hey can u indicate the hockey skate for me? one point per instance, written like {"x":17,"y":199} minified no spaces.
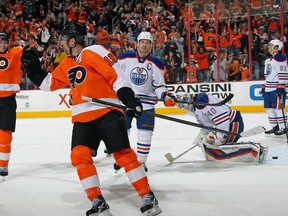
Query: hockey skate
{"x":281,"y":132}
{"x":150,"y":205}
{"x":3,"y":171}
{"x":99,"y":207}
{"x":273,"y":130}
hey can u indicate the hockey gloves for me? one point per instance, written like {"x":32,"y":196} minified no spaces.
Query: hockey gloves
{"x":262,"y":92}
{"x":216,"y":139}
{"x":187,"y":99}
{"x":133,"y":105}
{"x":280,"y":90}
{"x":43,"y":38}
{"x":31,"y":65}
{"x":169,"y":99}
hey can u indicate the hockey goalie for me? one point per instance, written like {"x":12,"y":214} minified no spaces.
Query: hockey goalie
{"x":217,"y":146}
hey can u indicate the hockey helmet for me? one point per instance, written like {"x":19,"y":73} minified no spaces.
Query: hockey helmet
{"x":4,"y":36}
{"x":74,"y":30}
{"x":276,"y":42}
{"x":145,"y":36}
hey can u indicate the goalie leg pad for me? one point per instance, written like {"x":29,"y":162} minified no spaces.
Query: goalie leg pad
{"x":235,"y":152}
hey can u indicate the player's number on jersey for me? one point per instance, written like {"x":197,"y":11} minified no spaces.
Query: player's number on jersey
{"x":111,"y":59}
{"x":283,"y":68}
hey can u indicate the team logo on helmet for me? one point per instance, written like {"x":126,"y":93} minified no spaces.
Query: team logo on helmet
{"x":138,"y":75}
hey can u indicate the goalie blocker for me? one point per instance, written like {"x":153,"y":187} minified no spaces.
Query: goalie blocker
{"x":235,"y":152}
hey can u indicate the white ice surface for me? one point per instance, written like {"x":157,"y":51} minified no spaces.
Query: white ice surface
{"x":42,"y":182}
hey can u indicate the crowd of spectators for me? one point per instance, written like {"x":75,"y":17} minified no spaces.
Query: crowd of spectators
{"x":179,"y":29}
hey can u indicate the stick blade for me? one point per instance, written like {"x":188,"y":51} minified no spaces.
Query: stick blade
{"x":253,"y":131}
{"x":169,"y":157}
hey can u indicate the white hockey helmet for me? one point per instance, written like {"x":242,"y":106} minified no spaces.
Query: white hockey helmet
{"x":275,"y":42}
{"x":145,"y":36}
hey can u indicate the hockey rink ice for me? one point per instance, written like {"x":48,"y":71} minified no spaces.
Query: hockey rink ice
{"x":42,"y":182}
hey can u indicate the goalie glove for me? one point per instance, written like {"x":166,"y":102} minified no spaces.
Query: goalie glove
{"x":216,"y":139}
{"x":169,"y":99}
{"x":133,"y":105}
{"x":43,"y":38}
{"x":31,"y":65}
{"x":187,"y":98}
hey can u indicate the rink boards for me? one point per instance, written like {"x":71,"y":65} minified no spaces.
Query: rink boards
{"x":39,"y":104}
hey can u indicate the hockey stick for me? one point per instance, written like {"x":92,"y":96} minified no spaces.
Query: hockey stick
{"x":224,"y":101}
{"x":282,"y":98}
{"x":162,"y":116}
{"x":196,"y":142}
{"x":171,"y":159}
{"x":253,"y":132}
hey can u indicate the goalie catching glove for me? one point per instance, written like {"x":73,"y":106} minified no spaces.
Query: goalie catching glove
{"x":133,"y":105}
{"x":31,"y":65}
{"x":169,"y":99}
{"x":216,"y":139}
{"x":186,"y":98}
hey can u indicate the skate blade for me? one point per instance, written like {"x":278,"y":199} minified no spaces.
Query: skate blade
{"x":153,"y":211}
{"x":104,"y":213}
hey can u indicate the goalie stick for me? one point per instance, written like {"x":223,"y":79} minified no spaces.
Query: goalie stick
{"x":224,"y":101}
{"x":253,"y":131}
{"x":171,"y":159}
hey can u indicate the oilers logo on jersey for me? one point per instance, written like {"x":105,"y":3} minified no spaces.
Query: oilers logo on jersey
{"x":4,"y":62}
{"x":138,"y":75}
{"x":269,"y":69}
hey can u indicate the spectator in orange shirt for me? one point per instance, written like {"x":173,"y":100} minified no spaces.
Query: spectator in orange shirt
{"x":209,"y":39}
{"x":244,"y":72}
{"x":223,"y":40}
{"x":203,"y":64}
{"x":71,"y":12}
{"x":234,"y":72}
{"x":234,"y":39}
{"x":103,"y":37}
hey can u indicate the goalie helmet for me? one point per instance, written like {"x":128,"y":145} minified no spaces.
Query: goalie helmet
{"x":145,"y":36}
{"x":4,"y":36}
{"x":75,"y":30}
{"x":274,"y":43}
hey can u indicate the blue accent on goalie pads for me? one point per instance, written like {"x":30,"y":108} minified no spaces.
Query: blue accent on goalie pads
{"x":219,"y":154}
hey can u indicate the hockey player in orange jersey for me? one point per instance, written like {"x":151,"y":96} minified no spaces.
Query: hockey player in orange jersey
{"x":94,"y":72}
{"x":10,"y":72}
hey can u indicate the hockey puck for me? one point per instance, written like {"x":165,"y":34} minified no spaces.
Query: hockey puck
{"x":274,"y":157}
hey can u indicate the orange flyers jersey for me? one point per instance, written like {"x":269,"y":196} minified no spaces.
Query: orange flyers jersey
{"x":95,"y":73}
{"x":10,"y":72}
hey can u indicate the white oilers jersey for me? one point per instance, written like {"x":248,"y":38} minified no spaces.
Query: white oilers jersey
{"x":146,"y":76}
{"x":218,"y":116}
{"x":276,"y":72}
